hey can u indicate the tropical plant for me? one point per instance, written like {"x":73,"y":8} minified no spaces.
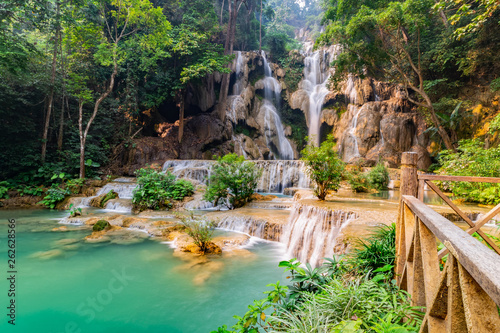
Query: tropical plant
{"x":379,"y":177}
{"x":376,"y":252}
{"x":472,"y":159}
{"x":74,"y":211}
{"x":200,"y":230}
{"x":358,"y":180}
{"x":232,"y":181}
{"x":4,"y":188}
{"x":157,"y":190}
{"x":54,"y":195}
{"x":323,"y":167}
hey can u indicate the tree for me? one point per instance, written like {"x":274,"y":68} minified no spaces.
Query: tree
{"x":233,"y":181}
{"x":384,"y":40}
{"x":125,"y":29}
{"x":234,"y":7}
{"x":195,"y":57}
{"x":324,"y":167}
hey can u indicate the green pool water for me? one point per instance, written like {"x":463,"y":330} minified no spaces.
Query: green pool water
{"x":70,"y":286}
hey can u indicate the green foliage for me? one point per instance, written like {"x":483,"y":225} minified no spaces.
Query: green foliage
{"x":379,"y":177}
{"x":294,"y":69}
{"x":100,"y":225}
{"x":157,"y":190}
{"x":232,"y":181}
{"x":324,"y":167}
{"x":4,"y":188}
{"x":74,"y":211}
{"x":495,"y":124}
{"x":109,"y":196}
{"x":358,"y":180}
{"x":472,"y":159}
{"x":75,"y":185}
{"x":376,"y":252}
{"x":34,"y":191}
{"x":297,"y":121}
{"x":495,"y":85}
{"x":54,"y":195}
{"x":200,"y":230}
{"x":181,"y":189}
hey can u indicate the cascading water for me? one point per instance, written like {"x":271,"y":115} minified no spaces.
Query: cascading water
{"x":275,"y":135}
{"x":314,"y":83}
{"x":276,"y":174}
{"x":239,"y":71}
{"x":311,"y":232}
{"x":316,"y":75}
{"x":352,"y":130}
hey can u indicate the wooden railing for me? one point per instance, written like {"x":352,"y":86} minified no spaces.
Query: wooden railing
{"x":463,"y":296}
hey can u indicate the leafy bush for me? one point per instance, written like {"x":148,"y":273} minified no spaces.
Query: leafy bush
{"x":75,"y":185}
{"x":181,"y":189}
{"x":376,"y":252}
{"x":324,"y":299}
{"x":100,"y":225}
{"x":4,"y":188}
{"x":200,"y":230}
{"x":74,"y":211}
{"x":472,"y":159}
{"x":358,"y":181}
{"x":34,"y":191}
{"x":324,"y":167}
{"x":379,"y":177}
{"x":157,"y":190}
{"x":233,"y":181}
{"x":54,"y":195}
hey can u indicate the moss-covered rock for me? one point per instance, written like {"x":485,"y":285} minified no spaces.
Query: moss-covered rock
{"x":100,"y":201}
{"x":101,"y":225}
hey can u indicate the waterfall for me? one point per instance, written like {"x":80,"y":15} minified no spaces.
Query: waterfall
{"x":309,"y":235}
{"x":124,"y":187}
{"x":311,"y":232}
{"x":272,"y":96}
{"x":315,"y":84}
{"x":276,"y":174}
{"x":350,"y":90}
{"x":239,"y":71}
{"x":352,"y":130}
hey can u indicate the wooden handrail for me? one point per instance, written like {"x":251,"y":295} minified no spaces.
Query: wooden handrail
{"x":482,"y":263}
{"x":459,"y":178}
{"x":464,"y":293}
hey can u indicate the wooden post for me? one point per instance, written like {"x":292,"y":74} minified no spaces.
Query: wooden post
{"x":409,"y":177}
{"x":409,"y":186}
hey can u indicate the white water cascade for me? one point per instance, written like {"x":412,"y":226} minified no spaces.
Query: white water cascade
{"x":275,"y":134}
{"x":311,"y":232}
{"x":276,"y":174}
{"x":239,"y":71}
{"x":352,"y":130}
{"x":316,"y":75}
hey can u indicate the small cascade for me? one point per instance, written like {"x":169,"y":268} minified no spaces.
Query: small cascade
{"x":124,"y":188}
{"x":276,"y":174}
{"x":352,"y":130}
{"x":250,"y":226}
{"x":350,"y":90}
{"x":239,"y":146}
{"x":311,"y":232}
{"x":119,"y":205}
{"x":274,"y":132}
{"x":314,"y":83}
{"x":198,"y":170}
{"x":239,"y":71}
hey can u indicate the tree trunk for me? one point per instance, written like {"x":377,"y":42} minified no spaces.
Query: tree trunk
{"x":83,"y":138}
{"x":180,"y":105}
{"x":222,"y":12}
{"x":51,"y":92}
{"x":234,"y":7}
{"x":83,"y":134}
{"x":61,"y":127}
{"x":260,"y":29}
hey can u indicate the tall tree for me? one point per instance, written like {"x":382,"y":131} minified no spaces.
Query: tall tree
{"x":125,"y":29}
{"x":384,"y":40}
{"x":56,"y":38}
{"x":234,"y":7}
